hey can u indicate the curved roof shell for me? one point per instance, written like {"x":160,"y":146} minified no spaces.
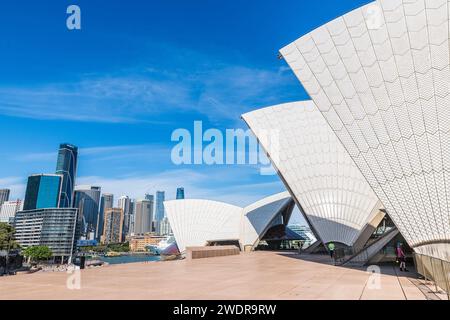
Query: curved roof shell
{"x":328,"y":187}
{"x":196,"y":222}
{"x":380,"y":75}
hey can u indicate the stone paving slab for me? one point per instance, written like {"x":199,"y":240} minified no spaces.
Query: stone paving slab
{"x":256,"y":275}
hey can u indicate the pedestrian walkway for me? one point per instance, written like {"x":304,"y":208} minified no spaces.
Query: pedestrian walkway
{"x":257,"y":275}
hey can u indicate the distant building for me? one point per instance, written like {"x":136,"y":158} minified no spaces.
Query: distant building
{"x":43,"y":191}
{"x":112,"y":231}
{"x":180,"y":193}
{"x":106,"y":202}
{"x":51,"y":227}
{"x":197,"y":222}
{"x":132,"y":215}
{"x":87,"y":201}
{"x":164,"y":227}
{"x":143,"y":217}
{"x":159,"y":211}
{"x":305,"y":232}
{"x":9,"y":209}
{"x":139,"y":243}
{"x":125,"y":205}
{"x":67,"y":167}
{"x":4,"y":196}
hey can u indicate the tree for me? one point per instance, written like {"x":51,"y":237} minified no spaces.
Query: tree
{"x":38,"y":253}
{"x":119,"y":247}
{"x":7,"y":241}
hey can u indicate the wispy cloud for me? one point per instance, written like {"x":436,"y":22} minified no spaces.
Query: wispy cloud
{"x":101,"y":153}
{"x":197,"y":185}
{"x":231,"y":186}
{"x":107,"y":99}
{"x":147,"y":94}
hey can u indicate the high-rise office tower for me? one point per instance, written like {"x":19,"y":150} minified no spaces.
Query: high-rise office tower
{"x":159,"y":211}
{"x":52,"y":227}
{"x":112,"y":231}
{"x":43,"y":191}
{"x":132,"y":215}
{"x":125,"y":205}
{"x":143,"y":217}
{"x":180,"y":193}
{"x":164,"y":227}
{"x":4,"y":195}
{"x":106,"y":202}
{"x":87,"y":201}
{"x":67,"y":167}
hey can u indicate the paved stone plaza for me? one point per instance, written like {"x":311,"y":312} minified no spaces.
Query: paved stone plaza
{"x":257,"y":275}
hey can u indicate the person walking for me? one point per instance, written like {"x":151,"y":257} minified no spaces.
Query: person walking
{"x":401,"y":257}
{"x":331,"y":248}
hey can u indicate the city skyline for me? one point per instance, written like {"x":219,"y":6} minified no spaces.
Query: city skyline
{"x":116,"y":123}
{"x":227,"y":151}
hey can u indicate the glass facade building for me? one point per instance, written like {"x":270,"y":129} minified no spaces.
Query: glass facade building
{"x":106,"y":202}
{"x":67,"y":167}
{"x":180,"y":193}
{"x":87,"y":201}
{"x":159,"y":211}
{"x":125,"y":205}
{"x":43,"y":191}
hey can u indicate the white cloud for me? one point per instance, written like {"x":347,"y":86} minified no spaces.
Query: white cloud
{"x":101,"y":153}
{"x":227,"y":186}
{"x":219,"y":184}
{"x":219,"y":92}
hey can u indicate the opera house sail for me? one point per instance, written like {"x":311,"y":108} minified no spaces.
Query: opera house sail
{"x":329,"y":189}
{"x":197,"y":222}
{"x":380,"y":76}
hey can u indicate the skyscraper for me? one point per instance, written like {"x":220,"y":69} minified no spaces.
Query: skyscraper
{"x":4,"y":195}
{"x":125,"y":205}
{"x":106,"y":202}
{"x":43,"y":191}
{"x":159,"y":211}
{"x":112,"y":232}
{"x":143,"y":217}
{"x":87,"y":201}
{"x":67,"y":167}
{"x":180,"y":193}
{"x":164,"y":228}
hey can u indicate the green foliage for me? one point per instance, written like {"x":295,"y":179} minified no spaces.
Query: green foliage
{"x":7,"y":237}
{"x":115,"y":247}
{"x":38,"y":253}
{"x":97,"y":249}
{"x":119,"y":247}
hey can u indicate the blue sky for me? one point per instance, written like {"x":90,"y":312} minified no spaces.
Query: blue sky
{"x":137,"y":71}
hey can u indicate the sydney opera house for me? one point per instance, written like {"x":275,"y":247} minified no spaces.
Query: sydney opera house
{"x":373,"y":143}
{"x":204,"y":222}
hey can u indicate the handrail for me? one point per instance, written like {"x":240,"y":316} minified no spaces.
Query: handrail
{"x":343,"y":257}
{"x":435,"y":270}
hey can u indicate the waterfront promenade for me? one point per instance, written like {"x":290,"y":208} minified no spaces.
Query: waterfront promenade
{"x":257,"y":275}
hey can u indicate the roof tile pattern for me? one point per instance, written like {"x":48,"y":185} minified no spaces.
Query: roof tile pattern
{"x":380,"y":75}
{"x":336,"y":199}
